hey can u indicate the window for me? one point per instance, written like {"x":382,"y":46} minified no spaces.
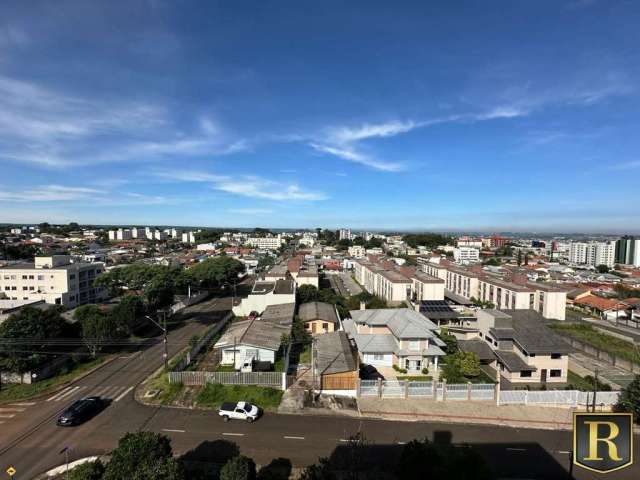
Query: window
{"x":72,"y":276}
{"x":378,"y":356}
{"x":325,"y":326}
{"x":525,"y":373}
{"x":14,"y":288}
{"x":24,"y":277}
{"x":31,"y":277}
{"x":7,"y":287}
{"x":6,"y":277}
{"x":555,"y":373}
{"x":414,"y":345}
{"x":532,"y":354}
{"x":32,"y":288}
{"x":556,"y":356}
{"x":25,"y":288}
{"x":40,"y":277}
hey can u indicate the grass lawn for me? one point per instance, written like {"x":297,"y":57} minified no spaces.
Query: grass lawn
{"x":214,"y":394}
{"x":305,"y":354}
{"x":225,"y":368}
{"x":588,"y":334}
{"x":14,"y":392}
{"x":583,"y":384}
{"x":415,"y":378}
{"x":167,"y":391}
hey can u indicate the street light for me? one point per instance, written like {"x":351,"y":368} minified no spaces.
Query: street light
{"x":164,"y":331}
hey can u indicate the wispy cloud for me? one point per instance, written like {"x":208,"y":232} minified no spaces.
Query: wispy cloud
{"x":632,"y":165}
{"x":247,"y":186}
{"x":47,"y":193}
{"x":53,"y":129}
{"x":250,"y":211}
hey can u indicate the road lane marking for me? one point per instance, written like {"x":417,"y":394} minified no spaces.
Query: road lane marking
{"x":3,"y":415}
{"x":401,"y":443}
{"x":293,"y":438}
{"x":344,"y":440}
{"x":123,"y":394}
{"x":22,"y":404}
{"x":10,"y":409}
{"x":172,"y":430}
{"x":59,"y":393}
{"x":564,"y":452}
{"x":516,"y":449}
{"x":233,"y":434}
{"x":126,"y":357}
{"x":98,"y":391}
{"x":73,"y":391}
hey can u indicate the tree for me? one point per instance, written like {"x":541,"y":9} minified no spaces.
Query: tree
{"x":468,"y":363}
{"x":450,"y":340}
{"x":307,"y":293}
{"x":494,"y":262}
{"x":519,"y":257}
{"x":629,"y":400}
{"x":215,"y":272}
{"x":143,"y":456}
{"x":602,"y":268}
{"x":87,"y":471}
{"x":238,"y":468}
{"x":34,"y":325}
{"x":97,"y":329}
{"x":127,"y":313}
{"x":159,"y":293}
{"x":429,"y":240}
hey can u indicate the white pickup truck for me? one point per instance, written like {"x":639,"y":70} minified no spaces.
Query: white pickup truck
{"x":239,"y":411}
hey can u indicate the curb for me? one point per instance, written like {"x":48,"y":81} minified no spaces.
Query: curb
{"x":62,"y":386}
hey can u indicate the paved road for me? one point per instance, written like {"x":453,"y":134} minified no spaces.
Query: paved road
{"x":31,"y":442}
{"x":29,"y":438}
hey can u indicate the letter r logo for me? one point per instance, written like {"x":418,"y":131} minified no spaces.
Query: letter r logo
{"x":603,"y":442}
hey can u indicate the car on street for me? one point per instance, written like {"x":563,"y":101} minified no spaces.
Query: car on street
{"x":253,"y":315}
{"x":239,"y":411}
{"x":81,"y":410}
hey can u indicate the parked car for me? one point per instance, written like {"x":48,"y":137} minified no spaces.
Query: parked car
{"x":81,"y":410}
{"x":253,"y":315}
{"x":239,"y":411}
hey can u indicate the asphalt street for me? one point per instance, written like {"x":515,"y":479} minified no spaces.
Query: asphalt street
{"x":31,"y":442}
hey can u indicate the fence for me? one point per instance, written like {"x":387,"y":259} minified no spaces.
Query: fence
{"x":615,"y":360}
{"x":264,"y":379}
{"x":203,"y":342}
{"x":426,"y":389}
{"x":571,"y":398}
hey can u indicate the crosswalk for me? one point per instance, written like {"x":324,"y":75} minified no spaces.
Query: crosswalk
{"x":9,"y":411}
{"x":111,"y":392}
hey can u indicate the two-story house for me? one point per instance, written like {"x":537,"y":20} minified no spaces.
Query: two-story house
{"x":395,"y":336}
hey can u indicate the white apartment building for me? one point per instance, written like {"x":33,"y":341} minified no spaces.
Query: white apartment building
{"x":345,"y":234}
{"x":148,"y":233}
{"x":547,"y":299}
{"x":120,"y":234}
{"x":357,"y":251}
{"x":53,"y":279}
{"x":593,"y":253}
{"x":469,"y":242}
{"x":628,"y":251}
{"x":139,"y":233}
{"x":159,"y":235}
{"x":466,"y":255}
{"x":188,"y":237}
{"x":265,"y":243}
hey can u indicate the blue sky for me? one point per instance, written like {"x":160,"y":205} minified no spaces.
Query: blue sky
{"x":510,"y":115}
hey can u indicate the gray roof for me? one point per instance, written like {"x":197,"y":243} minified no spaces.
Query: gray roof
{"x":404,"y":323}
{"x":284,"y":287}
{"x":512,"y":361}
{"x":255,"y":333}
{"x":455,"y":298}
{"x":526,"y":328}
{"x":279,"y":314}
{"x":478,"y":347}
{"x":335,"y":354}
{"x":318,"y":311}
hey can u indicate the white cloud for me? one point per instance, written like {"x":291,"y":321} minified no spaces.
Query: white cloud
{"x":247,"y":186}
{"x":347,"y":152}
{"x":348,"y":135}
{"x":48,"y":193}
{"x":49,"y":128}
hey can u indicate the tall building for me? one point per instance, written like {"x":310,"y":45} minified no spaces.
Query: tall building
{"x":53,"y":279}
{"x":592,"y":253}
{"x":345,"y":234}
{"x":628,"y":251}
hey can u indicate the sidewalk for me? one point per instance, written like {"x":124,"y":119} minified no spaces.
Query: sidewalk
{"x":478,"y":412}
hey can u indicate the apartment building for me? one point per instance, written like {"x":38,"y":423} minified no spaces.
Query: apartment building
{"x":514,"y":292}
{"x":526,"y":350}
{"x":53,"y":279}
{"x":357,"y":251}
{"x":628,"y":251}
{"x":593,"y":253}
{"x":396,"y":284}
{"x":469,"y":242}
{"x":139,"y":233}
{"x":345,"y":234}
{"x":187,"y":237}
{"x":120,"y":234}
{"x":265,"y":243}
{"x":466,"y":255}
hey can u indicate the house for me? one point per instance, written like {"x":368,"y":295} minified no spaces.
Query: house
{"x":336,"y":361}
{"x":461,"y":322}
{"x":256,"y":339}
{"x":526,"y":350}
{"x":605,"y":308}
{"x":395,"y":336}
{"x":319,"y":317}
{"x":266,"y":293}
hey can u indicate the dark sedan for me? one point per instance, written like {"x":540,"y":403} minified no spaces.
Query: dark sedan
{"x":81,"y":411}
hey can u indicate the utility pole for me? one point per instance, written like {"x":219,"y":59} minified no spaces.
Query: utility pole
{"x":166,"y":345}
{"x":595,"y":388}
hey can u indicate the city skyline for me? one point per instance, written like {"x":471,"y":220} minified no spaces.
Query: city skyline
{"x":289,"y":116}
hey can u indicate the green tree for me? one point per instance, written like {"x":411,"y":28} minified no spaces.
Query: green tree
{"x":238,"y":468}
{"x":97,"y":330}
{"x":629,"y":400}
{"x":128,"y":313}
{"x":37,"y":326}
{"x":143,"y":456}
{"x":215,"y":272}
{"x":307,"y":293}
{"x":429,"y":240}
{"x":159,"y":293}
{"x":450,"y":340}
{"x":519,"y":257}
{"x":87,"y":471}
{"x":468,"y":363}
{"x":602,"y":268}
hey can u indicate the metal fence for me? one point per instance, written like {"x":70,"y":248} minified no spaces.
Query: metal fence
{"x":393,"y":388}
{"x":420,"y":389}
{"x":570,"y":398}
{"x":265,"y":379}
{"x":368,"y":388}
{"x":457,"y":391}
{"x":426,"y":389}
